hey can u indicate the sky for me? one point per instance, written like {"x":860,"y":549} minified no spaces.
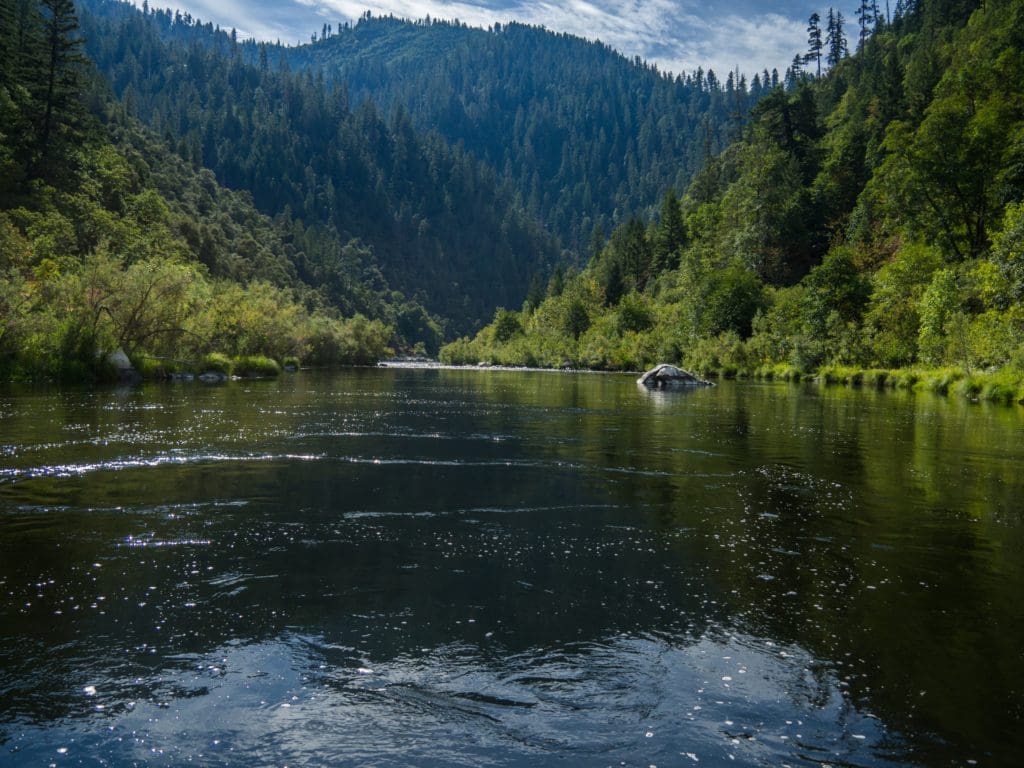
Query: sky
{"x":677,"y":35}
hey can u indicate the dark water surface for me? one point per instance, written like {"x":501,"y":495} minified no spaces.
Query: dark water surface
{"x":438,"y":567}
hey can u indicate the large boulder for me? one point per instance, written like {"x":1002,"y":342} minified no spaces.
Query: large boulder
{"x":122,"y":367}
{"x":666,"y":376}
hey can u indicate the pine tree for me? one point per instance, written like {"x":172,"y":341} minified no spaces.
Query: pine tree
{"x":814,"y":41}
{"x":795,"y":73}
{"x":6,"y":41}
{"x":670,"y":237}
{"x":56,"y":85}
{"x":867,"y":18}
{"x":19,"y":26}
{"x":835,"y":40}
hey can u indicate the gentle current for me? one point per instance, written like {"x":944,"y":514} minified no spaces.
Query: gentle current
{"x":452,"y":567}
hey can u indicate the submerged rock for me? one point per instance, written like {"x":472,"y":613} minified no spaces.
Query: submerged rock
{"x":212,"y":377}
{"x":666,"y":376}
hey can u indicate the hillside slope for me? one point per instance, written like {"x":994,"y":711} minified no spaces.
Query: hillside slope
{"x":438,"y":222}
{"x":583,"y":135}
{"x":108,"y":239}
{"x":580,"y":134}
{"x":872,"y":218}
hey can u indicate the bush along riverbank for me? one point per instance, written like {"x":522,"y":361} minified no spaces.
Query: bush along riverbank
{"x":72,"y":321}
{"x":212,"y":367}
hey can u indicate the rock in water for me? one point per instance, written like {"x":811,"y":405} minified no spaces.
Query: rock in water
{"x":122,"y":367}
{"x":666,"y":376}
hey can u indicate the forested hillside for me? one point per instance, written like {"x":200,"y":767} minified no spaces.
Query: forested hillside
{"x":583,"y":135}
{"x":439,"y":223}
{"x":108,"y":239}
{"x":870,"y":218}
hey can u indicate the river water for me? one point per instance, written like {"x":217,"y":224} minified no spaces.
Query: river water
{"x":460,"y":567}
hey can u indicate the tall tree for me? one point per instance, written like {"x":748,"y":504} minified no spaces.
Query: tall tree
{"x":867,"y":18}
{"x":57,"y":83}
{"x":670,"y":236}
{"x":795,"y":73}
{"x":835,"y":39}
{"x":815,"y":43}
{"x":6,"y":40}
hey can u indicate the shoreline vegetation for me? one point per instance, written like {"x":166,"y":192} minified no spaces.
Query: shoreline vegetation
{"x":1003,"y":386}
{"x":866,"y":229}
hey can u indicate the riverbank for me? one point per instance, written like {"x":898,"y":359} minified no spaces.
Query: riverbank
{"x":1004,"y":385}
{"x":1000,"y":386}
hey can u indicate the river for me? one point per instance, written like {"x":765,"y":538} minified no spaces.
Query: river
{"x":435,"y":567}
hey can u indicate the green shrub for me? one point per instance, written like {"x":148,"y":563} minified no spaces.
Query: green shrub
{"x":903,"y":378}
{"x":833,"y":374}
{"x":155,"y":368}
{"x":256,"y":366}
{"x":940,"y":380}
{"x":462,"y":351}
{"x":876,"y":377}
{"x":634,"y":314}
{"x":968,"y":386}
{"x":506,"y":325}
{"x":1000,"y":392}
{"x":215,"y":362}
{"x":778,"y":372}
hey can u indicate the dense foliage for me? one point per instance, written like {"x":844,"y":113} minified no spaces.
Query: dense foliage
{"x":437,"y":220}
{"x":108,"y":240}
{"x":494,"y":137}
{"x":869,"y":218}
{"x":582,"y":134}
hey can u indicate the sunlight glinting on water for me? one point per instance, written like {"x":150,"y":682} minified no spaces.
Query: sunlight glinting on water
{"x":503,"y":569}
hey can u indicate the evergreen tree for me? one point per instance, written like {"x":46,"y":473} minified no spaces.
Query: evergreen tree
{"x":56,"y":85}
{"x":795,"y":73}
{"x":835,"y":39}
{"x":670,"y":236}
{"x":534,"y":294}
{"x":814,"y":42}
{"x":631,"y":251}
{"x":867,"y":18}
{"x":557,"y":282}
{"x":6,"y":42}
{"x":614,"y":284}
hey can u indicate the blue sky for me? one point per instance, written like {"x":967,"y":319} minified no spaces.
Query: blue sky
{"x":678,"y":35}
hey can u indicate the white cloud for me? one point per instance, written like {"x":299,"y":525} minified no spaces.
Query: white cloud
{"x":270,"y":23}
{"x":677,"y":35}
{"x":670,"y":33}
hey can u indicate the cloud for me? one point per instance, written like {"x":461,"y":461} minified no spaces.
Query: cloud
{"x":261,"y":20}
{"x":677,"y":35}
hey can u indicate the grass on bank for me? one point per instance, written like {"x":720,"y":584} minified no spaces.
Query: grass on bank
{"x":245,"y":366}
{"x":1005,"y":385}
